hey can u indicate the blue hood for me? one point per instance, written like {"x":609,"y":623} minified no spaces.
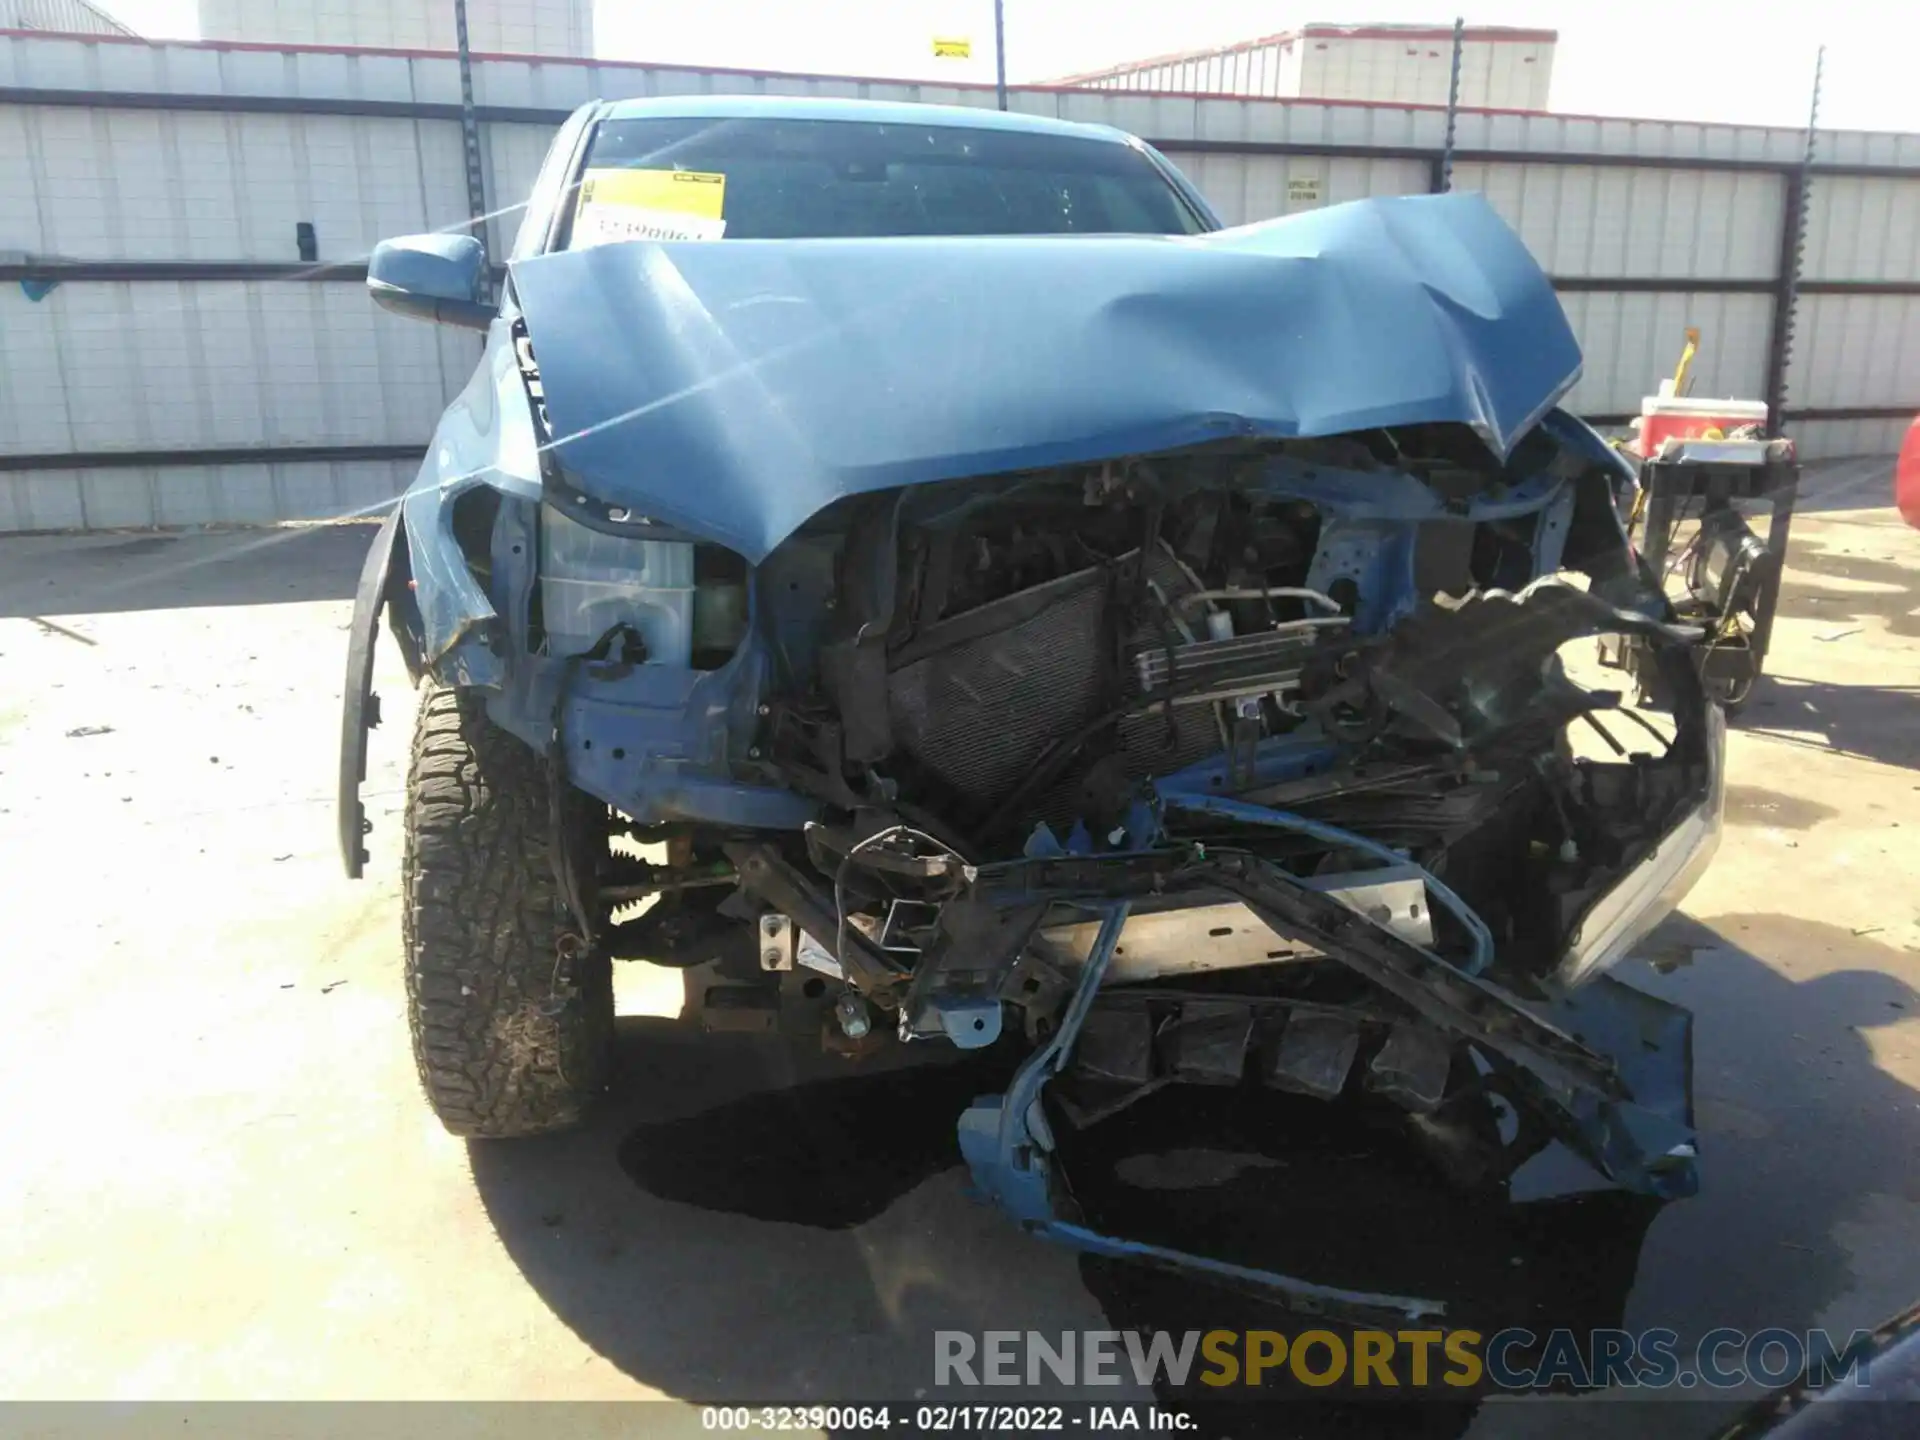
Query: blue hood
{"x":734,"y":389}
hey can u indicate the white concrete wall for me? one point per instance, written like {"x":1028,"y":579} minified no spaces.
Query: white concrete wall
{"x":258,"y":363}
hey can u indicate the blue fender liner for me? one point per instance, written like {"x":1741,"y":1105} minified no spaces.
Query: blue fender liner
{"x":384,"y":572}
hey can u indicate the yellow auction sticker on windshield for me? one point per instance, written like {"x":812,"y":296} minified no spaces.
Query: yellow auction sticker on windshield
{"x":619,"y":204}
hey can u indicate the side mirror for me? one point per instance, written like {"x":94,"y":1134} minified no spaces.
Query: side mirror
{"x":431,"y":277}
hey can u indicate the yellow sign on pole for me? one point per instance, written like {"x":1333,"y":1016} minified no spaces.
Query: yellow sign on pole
{"x":952,"y":49}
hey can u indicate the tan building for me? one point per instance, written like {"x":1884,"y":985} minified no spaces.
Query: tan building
{"x":64,"y":17}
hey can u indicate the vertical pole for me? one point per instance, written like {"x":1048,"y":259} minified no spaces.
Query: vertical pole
{"x":1453,"y":105}
{"x":470,"y":138}
{"x":1793,"y":244}
{"x":1000,"y":52}
{"x":1785,"y":296}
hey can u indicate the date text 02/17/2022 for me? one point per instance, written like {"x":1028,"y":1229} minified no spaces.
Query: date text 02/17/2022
{"x":924,"y":1419}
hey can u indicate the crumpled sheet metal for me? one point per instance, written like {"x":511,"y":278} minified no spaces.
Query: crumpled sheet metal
{"x":736,"y":389}
{"x":1636,"y":1128}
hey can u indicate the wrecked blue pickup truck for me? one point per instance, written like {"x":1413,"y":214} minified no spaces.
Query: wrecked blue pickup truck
{"x":982,"y":600}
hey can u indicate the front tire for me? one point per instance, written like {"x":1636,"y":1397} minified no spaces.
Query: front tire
{"x":512,"y":1019}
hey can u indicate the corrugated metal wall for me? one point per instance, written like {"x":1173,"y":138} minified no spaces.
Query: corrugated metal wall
{"x":1631,"y":339}
{"x":1592,"y":220}
{"x":509,"y":27}
{"x":103,"y":184}
{"x":215,"y":364}
{"x":145,"y":158}
{"x":1244,"y":188}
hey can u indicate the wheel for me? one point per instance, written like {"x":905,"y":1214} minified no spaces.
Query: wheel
{"x":512,"y":1019}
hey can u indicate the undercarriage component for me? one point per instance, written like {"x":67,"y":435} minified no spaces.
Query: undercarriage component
{"x":1208,"y":1041}
{"x":1009,"y":1150}
{"x":1411,"y":1068}
{"x":1196,"y":938}
{"x":1621,"y":1103}
{"x":1314,"y":1055}
{"x":740,"y":1009}
{"x":850,"y":1011}
{"x":1471,"y":1008}
{"x":1589,"y":1087}
{"x":1117,"y":1044}
{"x":764,"y":873}
{"x":776,"y":942}
{"x":1260,"y":816}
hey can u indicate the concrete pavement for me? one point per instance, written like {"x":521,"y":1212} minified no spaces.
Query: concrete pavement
{"x":220,"y":1181}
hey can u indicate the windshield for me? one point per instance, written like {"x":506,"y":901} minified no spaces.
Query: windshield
{"x":767,"y":179}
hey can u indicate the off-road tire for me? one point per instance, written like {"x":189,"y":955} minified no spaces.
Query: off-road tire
{"x":512,"y":1029}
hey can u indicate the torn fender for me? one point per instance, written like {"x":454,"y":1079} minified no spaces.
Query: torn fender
{"x":385,"y":570}
{"x":736,"y":389}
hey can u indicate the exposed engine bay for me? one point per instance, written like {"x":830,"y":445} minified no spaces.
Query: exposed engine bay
{"x":1249,"y":765}
{"x":1152,"y":673}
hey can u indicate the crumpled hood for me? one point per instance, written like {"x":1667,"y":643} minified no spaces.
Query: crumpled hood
{"x":736,"y":388}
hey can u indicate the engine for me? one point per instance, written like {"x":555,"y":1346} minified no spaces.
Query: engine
{"x":1332,"y":635}
{"x":986,"y":702}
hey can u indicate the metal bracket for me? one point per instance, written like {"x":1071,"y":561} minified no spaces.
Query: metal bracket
{"x":763,"y":872}
{"x":776,"y":942}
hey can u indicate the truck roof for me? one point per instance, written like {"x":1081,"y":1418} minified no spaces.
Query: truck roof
{"x":799,"y":107}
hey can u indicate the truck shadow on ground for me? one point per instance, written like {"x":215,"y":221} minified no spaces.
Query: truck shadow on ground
{"x":1874,"y":722}
{"x":1893,"y":598}
{"x":745,"y":1222}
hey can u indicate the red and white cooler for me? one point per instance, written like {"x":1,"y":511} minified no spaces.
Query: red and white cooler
{"x":1688,"y":417}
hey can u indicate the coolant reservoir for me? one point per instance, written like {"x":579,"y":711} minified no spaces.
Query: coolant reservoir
{"x":590,"y":582}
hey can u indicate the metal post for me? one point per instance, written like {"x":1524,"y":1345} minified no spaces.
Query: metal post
{"x":1000,"y":52}
{"x":1453,"y":104}
{"x":1793,"y":244}
{"x":470,"y":136}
